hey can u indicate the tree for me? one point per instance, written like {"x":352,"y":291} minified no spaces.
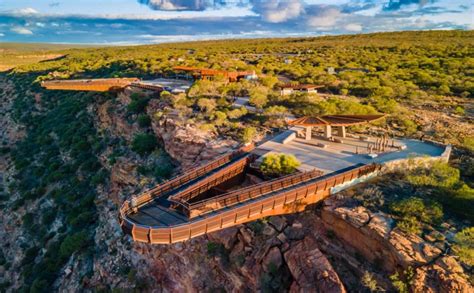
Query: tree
{"x":219,"y":118}
{"x":258,"y":97}
{"x":464,"y":245}
{"x":269,"y":81}
{"x":248,"y":134}
{"x":138,"y":103}
{"x":279,"y":164}
{"x":275,"y":115}
{"x":144,"y":120}
{"x":237,"y":113}
{"x":144,"y":143}
{"x":72,"y":243}
{"x":206,"y":105}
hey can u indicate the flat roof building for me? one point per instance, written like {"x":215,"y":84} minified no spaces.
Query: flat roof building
{"x":288,"y":89}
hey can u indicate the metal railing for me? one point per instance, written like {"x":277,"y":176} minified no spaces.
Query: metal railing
{"x":251,"y":192}
{"x":196,"y":172}
{"x":310,"y":192}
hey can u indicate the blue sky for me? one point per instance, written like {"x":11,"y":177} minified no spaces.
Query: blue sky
{"x":156,"y":21}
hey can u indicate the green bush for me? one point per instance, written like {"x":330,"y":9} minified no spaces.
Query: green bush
{"x":73,"y":243}
{"x":445,"y":185}
{"x":144,"y":143}
{"x":138,"y":103}
{"x":464,"y":245}
{"x":144,"y":120}
{"x":413,"y":211}
{"x":248,"y":134}
{"x":206,"y":105}
{"x":440,"y":174}
{"x":279,"y":164}
{"x":402,"y":282}
{"x":468,"y":142}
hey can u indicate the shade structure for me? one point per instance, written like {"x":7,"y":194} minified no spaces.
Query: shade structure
{"x":335,"y":120}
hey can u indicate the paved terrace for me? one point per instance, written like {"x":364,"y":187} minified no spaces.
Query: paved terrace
{"x":336,"y":156}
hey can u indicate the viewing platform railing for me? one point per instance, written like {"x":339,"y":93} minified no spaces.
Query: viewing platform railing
{"x":249,"y":210}
{"x":251,"y":192}
{"x":189,"y":175}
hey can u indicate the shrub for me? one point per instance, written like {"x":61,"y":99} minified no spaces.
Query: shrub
{"x":144,"y":120}
{"x":219,"y":118}
{"x":237,"y":113}
{"x":402,"y":282}
{"x":258,"y":97}
{"x":468,"y":142}
{"x":72,"y":243}
{"x":464,"y":246}
{"x":144,"y":143}
{"x":206,"y":105}
{"x":412,"y":211}
{"x":440,"y":174}
{"x":248,"y":135}
{"x":279,"y":164}
{"x":369,"y":282}
{"x":138,"y":103}
{"x":459,"y":111}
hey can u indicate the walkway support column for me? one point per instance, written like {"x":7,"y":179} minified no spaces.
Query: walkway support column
{"x":308,"y":132}
{"x":327,"y":131}
{"x":342,"y":131}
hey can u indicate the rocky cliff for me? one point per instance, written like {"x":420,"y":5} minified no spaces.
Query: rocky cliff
{"x":326,"y":248}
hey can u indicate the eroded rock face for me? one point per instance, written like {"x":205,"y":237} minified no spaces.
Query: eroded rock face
{"x":374,"y":236}
{"x":310,"y":269}
{"x":444,"y":276}
{"x":112,"y":117}
{"x":189,"y":145}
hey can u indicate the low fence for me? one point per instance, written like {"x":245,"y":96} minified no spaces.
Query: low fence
{"x":245,"y":194}
{"x":250,"y":210}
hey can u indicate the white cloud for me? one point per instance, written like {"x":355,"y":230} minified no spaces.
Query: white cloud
{"x":353,"y":27}
{"x":323,"y":16}
{"x":21,"y":30}
{"x":25,"y":11}
{"x":2,"y":35}
{"x":278,"y":10}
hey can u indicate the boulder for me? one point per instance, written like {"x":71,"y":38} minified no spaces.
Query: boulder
{"x":444,"y":276}
{"x":228,"y":237}
{"x":310,"y":269}
{"x":273,"y":258}
{"x":278,"y":222}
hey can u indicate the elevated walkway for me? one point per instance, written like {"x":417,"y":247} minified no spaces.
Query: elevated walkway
{"x":171,"y":212}
{"x":97,"y":85}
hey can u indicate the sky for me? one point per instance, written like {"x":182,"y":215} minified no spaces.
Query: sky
{"x":123,"y":22}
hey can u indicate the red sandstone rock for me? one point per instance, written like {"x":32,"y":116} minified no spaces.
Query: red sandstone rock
{"x":310,"y":269}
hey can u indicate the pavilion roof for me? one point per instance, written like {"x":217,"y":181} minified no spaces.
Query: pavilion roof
{"x":335,"y":120}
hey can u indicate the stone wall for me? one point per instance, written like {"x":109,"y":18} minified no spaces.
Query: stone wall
{"x":411,"y":163}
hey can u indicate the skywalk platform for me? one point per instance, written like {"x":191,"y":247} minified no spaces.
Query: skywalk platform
{"x":231,"y":190}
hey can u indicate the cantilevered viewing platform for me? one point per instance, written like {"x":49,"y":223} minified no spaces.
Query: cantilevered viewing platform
{"x":230,"y":190}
